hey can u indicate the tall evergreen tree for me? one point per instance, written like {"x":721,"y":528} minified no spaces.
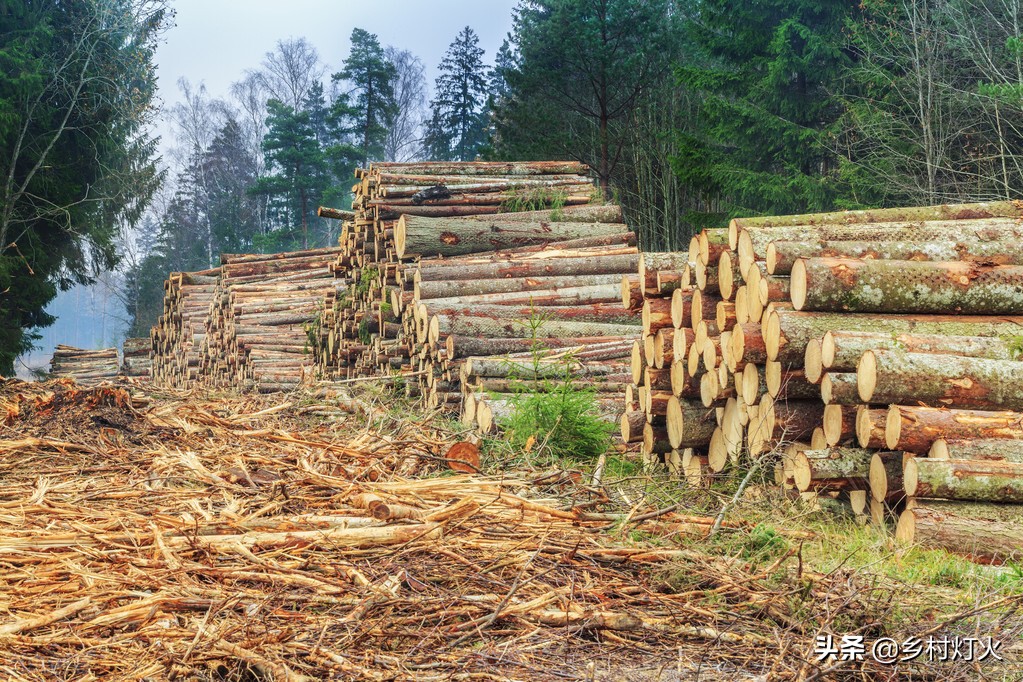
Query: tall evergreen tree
{"x":367,"y":110}
{"x":458,"y":121}
{"x":297,"y":173}
{"x":583,"y":68}
{"x":765,"y":79}
{"x":76,"y":88}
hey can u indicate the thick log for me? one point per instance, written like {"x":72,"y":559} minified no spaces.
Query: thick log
{"x":995,"y":450}
{"x":787,"y":332}
{"x":886,"y":470}
{"x":526,"y":368}
{"x":809,"y":223}
{"x":513,"y":327}
{"x":980,"y":537}
{"x":840,"y":388}
{"x":840,"y":351}
{"x":589,"y":264}
{"x":914,"y":429}
{"x":782,"y":255}
{"x":453,"y":237}
{"x":652,"y":262}
{"x":568,"y":296}
{"x":607,"y":313}
{"x":832,"y":469}
{"x":940,"y":380}
{"x":632,"y":425}
{"x":872,"y":429}
{"x":963,"y":479}
{"x":460,"y":346}
{"x":689,"y":423}
{"x":782,"y":421}
{"x":846,"y":284}
{"x":461,"y":288}
{"x":839,"y":423}
{"x":485,"y":168}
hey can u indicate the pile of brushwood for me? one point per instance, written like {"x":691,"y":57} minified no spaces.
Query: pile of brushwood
{"x":172,"y":536}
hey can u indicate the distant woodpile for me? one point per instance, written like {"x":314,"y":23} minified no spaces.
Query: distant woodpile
{"x":874,"y":352}
{"x":84,"y":366}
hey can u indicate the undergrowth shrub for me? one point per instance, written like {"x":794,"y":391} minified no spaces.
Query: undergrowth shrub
{"x":555,"y":418}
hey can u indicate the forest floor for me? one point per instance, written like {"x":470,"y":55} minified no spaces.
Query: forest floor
{"x":158,"y":535}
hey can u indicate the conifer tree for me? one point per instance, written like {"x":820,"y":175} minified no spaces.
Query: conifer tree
{"x":458,"y":120}
{"x":366,"y":111}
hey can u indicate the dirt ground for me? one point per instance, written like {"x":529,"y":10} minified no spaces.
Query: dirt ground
{"x":188,"y":536}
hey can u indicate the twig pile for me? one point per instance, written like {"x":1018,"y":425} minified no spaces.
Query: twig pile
{"x":224,"y":540}
{"x":84,"y":366}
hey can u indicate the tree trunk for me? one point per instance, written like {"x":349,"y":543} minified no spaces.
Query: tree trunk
{"x":995,"y":450}
{"x":914,"y":429}
{"x":887,"y":377}
{"x":787,"y":332}
{"x":473,"y":287}
{"x":588,"y":264}
{"x":839,"y":388}
{"x":452,"y":237}
{"x":832,"y":469}
{"x":840,"y":351}
{"x":568,"y":296}
{"x":690,"y":424}
{"x":840,"y":284}
{"x":961,"y":479}
{"x":782,"y":255}
{"x":980,"y":537}
{"x":516,"y":327}
{"x":886,"y":483}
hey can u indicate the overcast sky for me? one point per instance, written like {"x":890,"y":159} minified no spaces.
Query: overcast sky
{"x":215,"y":41}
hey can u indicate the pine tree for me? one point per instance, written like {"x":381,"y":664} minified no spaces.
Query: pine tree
{"x":297,"y":173}
{"x":766,"y":78}
{"x":367,"y":110}
{"x":459,"y":116}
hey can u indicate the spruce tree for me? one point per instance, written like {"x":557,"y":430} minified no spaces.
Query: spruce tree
{"x":459,"y":116}
{"x":297,"y":174}
{"x":366,"y":111}
{"x":765,"y":79}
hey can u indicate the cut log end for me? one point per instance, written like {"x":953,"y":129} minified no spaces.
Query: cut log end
{"x":892,"y":428}
{"x":910,"y":476}
{"x":866,"y":376}
{"x":797,"y":284}
{"x":813,"y":366}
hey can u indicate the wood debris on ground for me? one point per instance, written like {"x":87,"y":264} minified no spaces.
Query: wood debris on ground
{"x":195,"y":537}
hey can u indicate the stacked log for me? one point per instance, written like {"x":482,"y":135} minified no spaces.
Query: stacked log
{"x":135,"y":357}
{"x":874,"y":354}
{"x":407,"y":212}
{"x":260,"y":317}
{"x":87,"y":367}
{"x":448,"y":267}
{"x":179,"y":333}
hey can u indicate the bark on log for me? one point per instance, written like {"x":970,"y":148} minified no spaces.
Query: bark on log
{"x":782,"y":255}
{"x":690,"y":424}
{"x":453,"y":237}
{"x":839,"y":424}
{"x":940,"y":380}
{"x":587,"y":263}
{"x":962,"y":479}
{"x":840,"y":388}
{"x":840,"y":351}
{"x":872,"y":429}
{"x":995,"y":450}
{"x":832,"y":469}
{"x":914,"y":429}
{"x":425,"y":291}
{"x":845,"y":284}
{"x":982,"y":539}
{"x":787,"y":332}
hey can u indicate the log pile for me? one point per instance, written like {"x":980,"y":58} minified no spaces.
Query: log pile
{"x":180,"y":330}
{"x":872,"y":355}
{"x":259,"y":317}
{"x":135,"y":360}
{"x":86,"y":367}
{"x":448,"y":265}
